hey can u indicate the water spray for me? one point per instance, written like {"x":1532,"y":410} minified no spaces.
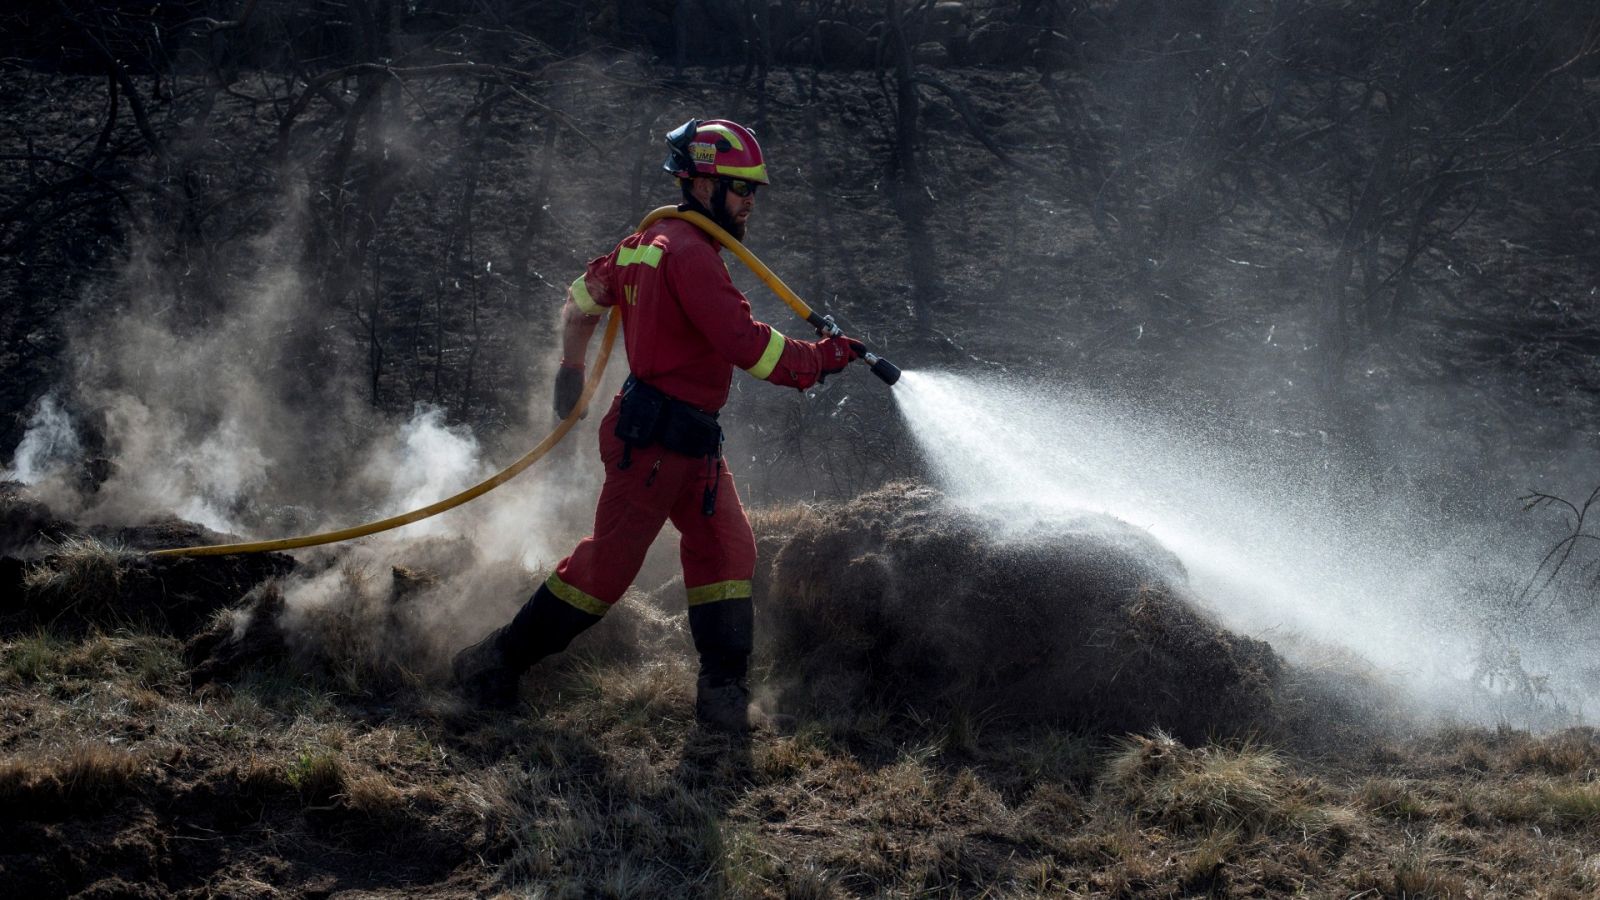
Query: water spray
{"x":1304,"y":557}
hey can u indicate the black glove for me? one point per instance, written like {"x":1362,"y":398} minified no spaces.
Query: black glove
{"x":569,"y":387}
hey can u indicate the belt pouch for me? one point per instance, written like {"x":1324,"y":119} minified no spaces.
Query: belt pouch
{"x":641,"y":415}
{"x":691,"y":432}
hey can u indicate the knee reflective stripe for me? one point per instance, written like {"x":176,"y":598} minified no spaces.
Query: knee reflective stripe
{"x":581,"y":299}
{"x":722,"y":590}
{"x":769,"y":357}
{"x":576,"y":598}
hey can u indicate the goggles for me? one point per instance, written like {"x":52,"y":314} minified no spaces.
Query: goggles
{"x":741,"y":187}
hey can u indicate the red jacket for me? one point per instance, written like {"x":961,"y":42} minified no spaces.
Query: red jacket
{"x":686,"y":326}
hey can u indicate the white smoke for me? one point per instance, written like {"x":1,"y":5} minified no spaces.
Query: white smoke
{"x":206,"y":478}
{"x":426,"y":462}
{"x":49,"y":448}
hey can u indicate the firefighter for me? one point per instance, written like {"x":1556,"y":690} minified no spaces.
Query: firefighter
{"x":686,"y":327}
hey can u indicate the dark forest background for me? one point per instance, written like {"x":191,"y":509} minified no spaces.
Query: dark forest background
{"x":1362,"y":227}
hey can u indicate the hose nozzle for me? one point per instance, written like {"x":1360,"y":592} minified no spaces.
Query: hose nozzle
{"x":888,"y":371}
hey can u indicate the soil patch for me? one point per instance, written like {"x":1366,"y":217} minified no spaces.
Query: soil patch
{"x":176,"y":825}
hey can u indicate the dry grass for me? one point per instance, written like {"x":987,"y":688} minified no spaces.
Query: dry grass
{"x":783,"y":519}
{"x":1209,"y":788}
{"x":1571,"y":752}
{"x":84,"y":778}
{"x":1414,"y":875}
{"x":323,"y":748}
{"x":83,"y":572}
{"x":600,"y":786}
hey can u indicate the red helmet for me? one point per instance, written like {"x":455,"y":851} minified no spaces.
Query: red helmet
{"x":715,"y":147}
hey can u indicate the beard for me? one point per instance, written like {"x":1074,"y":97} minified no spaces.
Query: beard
{"x":730,"y":224}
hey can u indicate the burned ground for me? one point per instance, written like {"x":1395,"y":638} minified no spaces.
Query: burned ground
{"x":262,"y":753}
{"x":120,"y":780}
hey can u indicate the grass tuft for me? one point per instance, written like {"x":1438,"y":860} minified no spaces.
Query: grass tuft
{"x":84,"y":572}
{"x":1168,"y":784}
{"x":260,"y":779}
{"x":374,"y":796}
{"x":809,"y":881}
{"x":1412,"y":876}
{"x":1201,"y":869}
{"x":31,"y":659}
{"x":86,"y":778}
{"x":1393,"y":798}
{"x":1577,"y":804}
{"x":94,"y":773}
{"x":319,"y":777}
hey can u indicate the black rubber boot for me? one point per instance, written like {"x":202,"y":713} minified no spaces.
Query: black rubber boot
{"x":723,"y":635}
{"x":487,"y":672}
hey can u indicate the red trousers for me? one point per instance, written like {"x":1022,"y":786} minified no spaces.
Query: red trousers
{"x":718,"y":551}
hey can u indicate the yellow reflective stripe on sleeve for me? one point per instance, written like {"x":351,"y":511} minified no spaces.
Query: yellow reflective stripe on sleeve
{"x":576,"y":598}
{"x":722,"y":590}
{"x":749,"y":173}
{"x":649,"y":254}
{"x":582,"y":300}
{"x":769,"y":358}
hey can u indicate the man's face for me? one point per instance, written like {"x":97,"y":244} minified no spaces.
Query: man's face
{"x":737,"y":209}
{"x":735,"y":212}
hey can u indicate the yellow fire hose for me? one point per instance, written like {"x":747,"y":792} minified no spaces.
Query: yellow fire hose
{"x":882,"y":367}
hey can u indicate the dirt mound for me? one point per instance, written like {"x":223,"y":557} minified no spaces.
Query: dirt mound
{"x":29,"y":528}
{"x":86,"y":584}
{"x":25,"y":522}
{"x":898,"y":598}
{"x":72,"y":579}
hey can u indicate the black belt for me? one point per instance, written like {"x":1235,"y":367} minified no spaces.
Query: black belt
{"x":649,"y":417}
